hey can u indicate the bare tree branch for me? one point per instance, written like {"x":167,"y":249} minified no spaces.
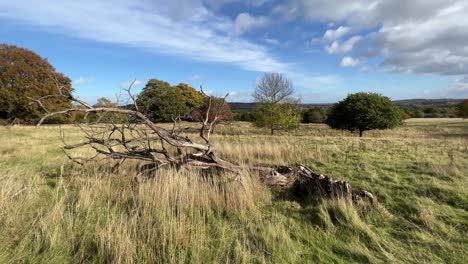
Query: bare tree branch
{"x":131,"y":95}
{"x":273,"y":88}
{"x":139,"y":138}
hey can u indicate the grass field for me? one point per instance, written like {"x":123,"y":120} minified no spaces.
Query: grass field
{"x":52,"y":211}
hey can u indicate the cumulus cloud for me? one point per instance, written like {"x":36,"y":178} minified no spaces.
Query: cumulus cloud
{"x":437,"y":45}
{"x":460,"y":89}
{"x":245,"y":22}
{"x":216,"y":4}
{"x":335,"y":34}
{"x":347,"y":46}
{"x":349,"y":62}
{"x":419,"y":36}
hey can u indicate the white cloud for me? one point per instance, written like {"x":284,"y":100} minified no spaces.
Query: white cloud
{"x":245,"y":22}
{"x":82,"y":80}
{"x":216,"y":4}
{"x":197,"y":35}
{"x":335,"y":34}
{"x":314,"y":81}
{"x":349,"y":62}
{"x":200,"y":35}
{"x":460,"y":89}
{"x":418,"y":36}
{"x":347,"y":46}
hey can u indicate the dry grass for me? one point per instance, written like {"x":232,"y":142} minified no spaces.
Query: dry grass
{"x":86,"y":214}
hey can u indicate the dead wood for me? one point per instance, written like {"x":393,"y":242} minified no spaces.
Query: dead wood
{"x":304,"y":181}
{"x":134,"y":136}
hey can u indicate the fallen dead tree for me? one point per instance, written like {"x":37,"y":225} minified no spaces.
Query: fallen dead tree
{"x":304,"y":181}
{"x":134,"y":136}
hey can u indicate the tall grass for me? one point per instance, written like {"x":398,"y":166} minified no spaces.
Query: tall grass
{"x":52,"y":211}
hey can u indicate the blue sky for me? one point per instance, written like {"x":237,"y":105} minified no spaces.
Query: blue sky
{"x":402,"y":49}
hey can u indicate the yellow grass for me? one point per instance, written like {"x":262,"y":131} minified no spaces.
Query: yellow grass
{"x":69,"y":213}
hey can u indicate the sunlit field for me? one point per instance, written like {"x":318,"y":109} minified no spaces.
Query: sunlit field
{"x":53,"y":211}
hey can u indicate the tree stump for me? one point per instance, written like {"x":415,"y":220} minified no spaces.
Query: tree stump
{"x":303,"y":180}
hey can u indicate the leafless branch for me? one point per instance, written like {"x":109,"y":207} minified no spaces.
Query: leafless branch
{"x":141,"y":139}
{"x":129,"y":90}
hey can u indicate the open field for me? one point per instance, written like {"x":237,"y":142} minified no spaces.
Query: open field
{"x":52,"y":211}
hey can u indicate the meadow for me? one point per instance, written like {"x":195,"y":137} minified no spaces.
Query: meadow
{"x":53,"y":211}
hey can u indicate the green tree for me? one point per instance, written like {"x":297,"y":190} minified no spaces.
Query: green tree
{"x":25,"y":74}
{"x":276,"y":106}
{"x":193,"y":99}
{"x":314,"y":115}
{"x":244,"y":116}
{"x":276,"y":117}
{"x":105,"y":102}
{"x":462,"y":109}
{"x":364,"y":111}
{"x":163,"y":102}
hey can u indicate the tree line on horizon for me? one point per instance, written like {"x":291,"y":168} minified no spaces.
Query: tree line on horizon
{"x":25,"y":75}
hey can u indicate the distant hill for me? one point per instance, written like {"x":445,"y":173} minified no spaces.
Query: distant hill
{"x":428,"y":102}
{"x":245,"y":107}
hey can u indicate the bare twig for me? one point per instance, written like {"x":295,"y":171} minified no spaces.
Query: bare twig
{"x":129,"y":91}
{"x":137,"y":140}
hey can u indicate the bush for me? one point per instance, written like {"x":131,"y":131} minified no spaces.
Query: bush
{"x":314,"y":115}
{"x":244,"y":116}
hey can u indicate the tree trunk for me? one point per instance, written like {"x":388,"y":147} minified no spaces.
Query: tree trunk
{"x":306,"y":182}
{"x":360,"y":132}
{"x":272,"y":130}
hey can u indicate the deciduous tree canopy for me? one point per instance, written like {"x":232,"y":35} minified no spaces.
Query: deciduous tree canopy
{"x":163,"y":102}
{"x":25,"y":74}
{"x":219,"y":109}
{"x":364,"y":111}
{"x":277,"y":116}
{"x":276,"y":109}
{"x":314,"y":115}
{"x":273,"y":88}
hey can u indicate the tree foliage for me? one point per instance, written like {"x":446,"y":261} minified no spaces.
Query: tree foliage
{"x":463,"y":109}
{"x":276,"y":109}
{"x":25,"y":74}
{"x":244,"y":116}
{"x":105,"y":102}
{"x":163,"y":102}
{"x":219,"y":109}
{"x":277,"y":116}
{"x":364,"y":111}
{"x":193,"y":99}
{"x":314,"y":115}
